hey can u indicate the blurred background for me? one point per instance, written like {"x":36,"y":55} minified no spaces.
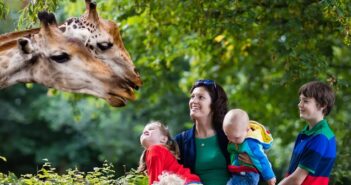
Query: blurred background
{"x":260,"y":51}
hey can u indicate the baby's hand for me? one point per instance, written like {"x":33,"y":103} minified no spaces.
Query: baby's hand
{"x":272,"y":181}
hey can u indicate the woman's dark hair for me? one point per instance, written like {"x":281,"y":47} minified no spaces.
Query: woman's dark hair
{"x":219,"y":101}
{"x":321,"y":92}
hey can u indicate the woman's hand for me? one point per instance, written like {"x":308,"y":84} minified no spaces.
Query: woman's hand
{"x":245,"y":158}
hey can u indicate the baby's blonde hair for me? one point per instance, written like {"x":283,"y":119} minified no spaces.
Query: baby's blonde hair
{"x":234,"y":115}
{"x":171,"y":144}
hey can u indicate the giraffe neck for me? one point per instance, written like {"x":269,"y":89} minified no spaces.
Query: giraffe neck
{"x":18,"y":34}
{"x":76,"y":27}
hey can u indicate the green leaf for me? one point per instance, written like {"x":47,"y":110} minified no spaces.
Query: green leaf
{"x":3,"y":158}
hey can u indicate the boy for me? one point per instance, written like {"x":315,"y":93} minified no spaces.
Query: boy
{"x":249,"y":137}
{"x":314,"y":152}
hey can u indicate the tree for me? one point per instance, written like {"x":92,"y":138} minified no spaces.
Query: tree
{"x":260,"y":51}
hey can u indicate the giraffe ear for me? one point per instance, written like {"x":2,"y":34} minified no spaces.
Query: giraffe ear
{"x":25,"y":45}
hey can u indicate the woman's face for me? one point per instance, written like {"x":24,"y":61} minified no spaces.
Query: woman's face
{"x":200,"y":103}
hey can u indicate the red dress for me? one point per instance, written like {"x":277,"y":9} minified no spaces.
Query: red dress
{"x":159,"y":159}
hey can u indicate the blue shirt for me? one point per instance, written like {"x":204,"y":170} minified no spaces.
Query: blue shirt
{"x":315,"y":151}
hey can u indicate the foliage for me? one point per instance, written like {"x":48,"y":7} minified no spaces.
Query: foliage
{"x":259,"y":51}
{"x":28,"y":16}
{"x":3,"y":9}
{"x":3,"y":158}
{"x":104,"y":175}
{"x":133,"y":178}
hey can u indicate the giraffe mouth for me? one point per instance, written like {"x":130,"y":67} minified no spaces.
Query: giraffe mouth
{"x":133,"y":85}
{"x":116,"y":100}
{"x":121,"y":93}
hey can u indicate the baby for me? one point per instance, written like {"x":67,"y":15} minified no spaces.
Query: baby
{"x":252,"y":138}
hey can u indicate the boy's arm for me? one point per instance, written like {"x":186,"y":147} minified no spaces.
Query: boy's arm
{"x":260,"y":160}
{"x":297,"y":177}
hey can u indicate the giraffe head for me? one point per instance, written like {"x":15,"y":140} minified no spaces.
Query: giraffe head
{"x":103,"y":39}
{"x":63,"y":63}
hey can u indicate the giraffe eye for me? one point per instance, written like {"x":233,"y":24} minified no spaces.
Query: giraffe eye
{"x":104,"y":45}
{"x":61,"y":58}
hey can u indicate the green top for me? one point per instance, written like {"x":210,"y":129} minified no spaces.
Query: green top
{"x":210,"y":164}
{"x":321,"y":127}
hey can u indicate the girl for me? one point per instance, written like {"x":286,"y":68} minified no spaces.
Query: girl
{"x":161,"y":154}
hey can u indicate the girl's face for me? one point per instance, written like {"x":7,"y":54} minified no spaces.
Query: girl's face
{"x":200,"y":103}
{"x":152,"y":135}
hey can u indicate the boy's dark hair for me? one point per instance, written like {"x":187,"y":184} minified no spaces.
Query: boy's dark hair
{"x":321,"y":92}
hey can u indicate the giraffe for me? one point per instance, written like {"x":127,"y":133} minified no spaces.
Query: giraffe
{"x":102,"y":37}
{"x":55,"y":61}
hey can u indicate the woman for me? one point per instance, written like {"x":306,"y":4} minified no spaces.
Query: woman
{"x":203,"y":148}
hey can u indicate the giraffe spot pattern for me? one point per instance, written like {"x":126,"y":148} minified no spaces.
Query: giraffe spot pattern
{"x":69,"y":21}
{"x":63,"y":28}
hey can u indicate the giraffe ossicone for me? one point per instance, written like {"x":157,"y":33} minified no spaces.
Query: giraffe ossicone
{"x":56,"y":61}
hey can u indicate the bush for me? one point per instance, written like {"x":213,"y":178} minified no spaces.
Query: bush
{"x":99,"y":176}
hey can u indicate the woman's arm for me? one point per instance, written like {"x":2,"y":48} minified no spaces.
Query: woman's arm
{"x":244,"y":157}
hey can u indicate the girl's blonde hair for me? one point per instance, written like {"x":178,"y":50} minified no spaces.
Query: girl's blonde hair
{"x":171,"y":145}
